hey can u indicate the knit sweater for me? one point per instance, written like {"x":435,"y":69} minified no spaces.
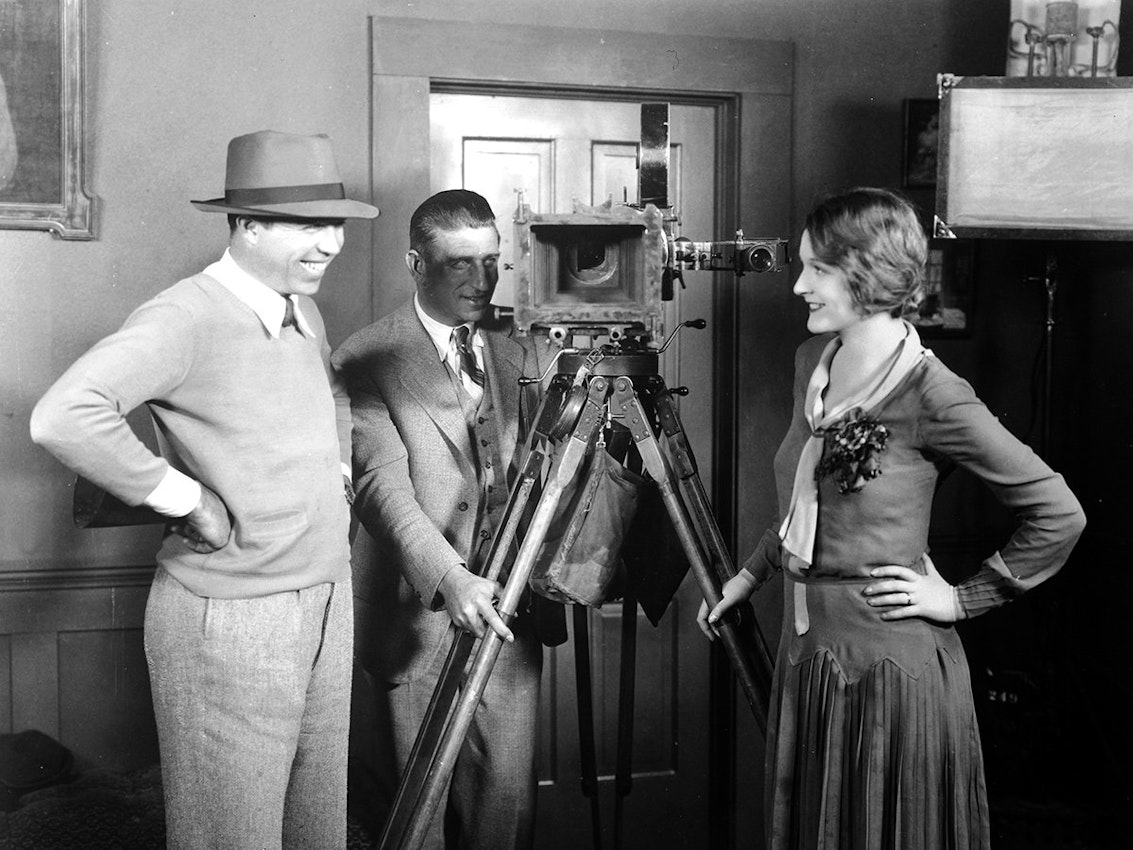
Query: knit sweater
{"x":253,"y":418}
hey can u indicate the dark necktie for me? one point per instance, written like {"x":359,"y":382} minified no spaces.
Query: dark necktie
{"x":465,"y":357}
{"x":289,"y":314}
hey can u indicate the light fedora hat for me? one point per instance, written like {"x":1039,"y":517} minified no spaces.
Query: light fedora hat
{"x":284,"y":175}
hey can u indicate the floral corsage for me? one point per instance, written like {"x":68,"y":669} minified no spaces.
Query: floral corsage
{"x":851,"y":452}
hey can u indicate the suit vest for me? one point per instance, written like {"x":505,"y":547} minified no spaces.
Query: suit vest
{"x":491,"y":477}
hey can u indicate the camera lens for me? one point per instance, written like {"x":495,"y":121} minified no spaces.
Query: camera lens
{"x":758,"y":258}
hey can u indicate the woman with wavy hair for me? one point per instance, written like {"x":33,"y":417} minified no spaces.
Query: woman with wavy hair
{"x":872,"y":739}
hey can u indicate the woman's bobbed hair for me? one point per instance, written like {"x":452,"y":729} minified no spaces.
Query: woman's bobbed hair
{"x":874,"y":237}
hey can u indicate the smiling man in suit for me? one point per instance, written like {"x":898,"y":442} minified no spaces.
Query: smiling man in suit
{"x":436,"y":405}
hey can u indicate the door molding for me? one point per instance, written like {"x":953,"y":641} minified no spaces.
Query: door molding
{"x":410,"y":57}
{"x":750,"y":83}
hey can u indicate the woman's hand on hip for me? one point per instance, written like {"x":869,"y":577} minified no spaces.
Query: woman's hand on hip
{"x":903,"y":593}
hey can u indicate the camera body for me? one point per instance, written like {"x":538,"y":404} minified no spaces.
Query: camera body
{"x":605,"y":271}
{"x":599,"y":268}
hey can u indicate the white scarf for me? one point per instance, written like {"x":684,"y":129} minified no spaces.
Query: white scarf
{"x":801,"y":523}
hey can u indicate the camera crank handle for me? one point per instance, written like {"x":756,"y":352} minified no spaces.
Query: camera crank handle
{"x":525,"y":381}
{"x":698,"y":324}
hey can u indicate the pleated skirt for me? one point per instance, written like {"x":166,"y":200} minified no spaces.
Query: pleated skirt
{"x":872,"y":740}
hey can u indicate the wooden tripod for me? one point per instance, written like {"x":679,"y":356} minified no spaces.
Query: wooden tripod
{"x":592,"y":389}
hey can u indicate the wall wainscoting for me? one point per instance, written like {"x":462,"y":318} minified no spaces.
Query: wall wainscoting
{"x":72,"y":664}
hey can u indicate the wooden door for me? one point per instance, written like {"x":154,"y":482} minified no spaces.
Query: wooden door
{"x":559,"y":150}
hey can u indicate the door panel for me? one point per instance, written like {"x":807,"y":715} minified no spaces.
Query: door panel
{"x":557,"y":151}
{"x":513,"y":164}
{"x":655,"y":721}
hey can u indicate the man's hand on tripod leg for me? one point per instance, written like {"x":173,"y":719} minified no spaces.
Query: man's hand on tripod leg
{"x":736,"y":590}
{"x":470,"y":600}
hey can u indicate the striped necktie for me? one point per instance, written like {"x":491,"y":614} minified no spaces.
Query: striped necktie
{"x":465,"y":356}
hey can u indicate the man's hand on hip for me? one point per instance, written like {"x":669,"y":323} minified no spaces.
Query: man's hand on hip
{"x":207,"y":527}
{"x":469,"y":600}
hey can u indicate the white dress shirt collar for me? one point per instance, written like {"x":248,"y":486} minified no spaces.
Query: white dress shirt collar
{"x":264,"y":301}
{"x":441,"y":335}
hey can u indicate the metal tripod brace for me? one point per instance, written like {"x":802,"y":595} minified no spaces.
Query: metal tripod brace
{"x":570,"y":419}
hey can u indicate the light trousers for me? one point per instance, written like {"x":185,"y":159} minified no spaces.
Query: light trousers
{"x":489,"y":803}
{"x":252,"y":702}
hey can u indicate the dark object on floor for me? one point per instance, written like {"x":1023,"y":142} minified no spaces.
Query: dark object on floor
{"x":30,"y":760}
{"x":104,"y":810}
{"x":99,"y":809}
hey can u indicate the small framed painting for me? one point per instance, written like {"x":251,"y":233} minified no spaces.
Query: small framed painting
{"x":922,"y":136}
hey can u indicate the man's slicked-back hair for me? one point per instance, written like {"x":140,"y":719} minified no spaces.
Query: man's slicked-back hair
{"x":451,"y":209}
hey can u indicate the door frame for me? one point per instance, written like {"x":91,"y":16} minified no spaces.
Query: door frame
{"x":750,"y":85}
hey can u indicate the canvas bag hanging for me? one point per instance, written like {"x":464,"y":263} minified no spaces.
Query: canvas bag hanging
{"x":580,"y":561}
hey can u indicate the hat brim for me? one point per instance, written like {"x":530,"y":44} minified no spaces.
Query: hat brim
{"x":339,"y":208}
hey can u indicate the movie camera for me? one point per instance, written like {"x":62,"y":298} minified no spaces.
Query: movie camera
{"x":604,"y":271}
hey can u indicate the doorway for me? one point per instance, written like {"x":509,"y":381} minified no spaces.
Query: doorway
{"x":559,"y":151}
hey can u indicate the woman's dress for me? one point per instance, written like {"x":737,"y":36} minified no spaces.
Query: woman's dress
{"x":872,"y":738}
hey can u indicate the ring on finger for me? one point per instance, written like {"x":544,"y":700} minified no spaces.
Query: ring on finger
{"x":908,"y":598}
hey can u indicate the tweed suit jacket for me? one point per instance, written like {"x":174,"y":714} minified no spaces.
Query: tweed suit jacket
{"x":418,"y":499}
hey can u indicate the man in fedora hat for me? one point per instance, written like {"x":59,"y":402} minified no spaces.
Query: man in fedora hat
{"x":248,"y":628}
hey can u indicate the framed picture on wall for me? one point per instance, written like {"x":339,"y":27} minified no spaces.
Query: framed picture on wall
{"x":921,"y":139}
{"x":949,"y":275}
{"x":41,"y":118}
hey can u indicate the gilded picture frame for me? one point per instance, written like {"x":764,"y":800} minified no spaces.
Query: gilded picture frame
{"x":42,"y":168}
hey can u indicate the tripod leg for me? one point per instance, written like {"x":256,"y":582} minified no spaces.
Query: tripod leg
{"x":623,"y":773}
{"x":562,"y":473}
{"x":424,"y":750}
{"x":701,"y":513}
{"x":628,"y":406}
{"x":586,"y":746}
